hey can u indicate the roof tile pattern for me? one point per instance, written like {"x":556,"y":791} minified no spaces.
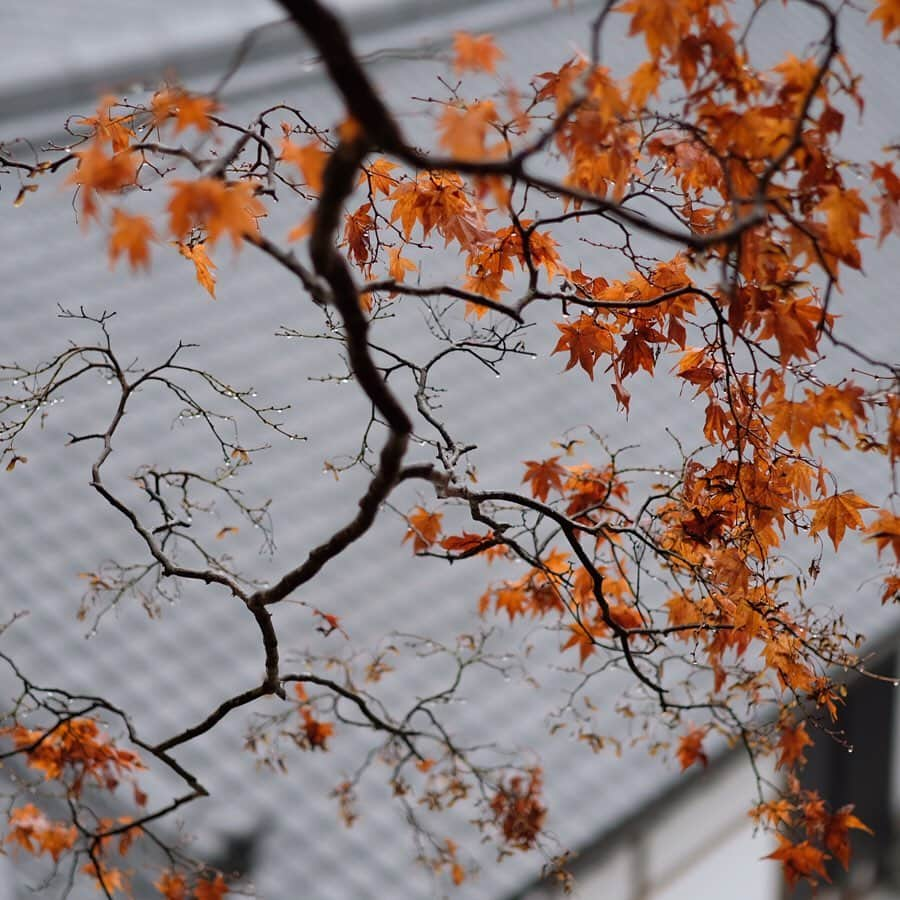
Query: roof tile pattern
{"x":169,"y":673}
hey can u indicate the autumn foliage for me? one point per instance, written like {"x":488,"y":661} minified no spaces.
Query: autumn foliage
{"x":691,"y":218}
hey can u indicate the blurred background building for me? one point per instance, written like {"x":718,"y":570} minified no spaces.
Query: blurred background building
{"x":644,"y":831}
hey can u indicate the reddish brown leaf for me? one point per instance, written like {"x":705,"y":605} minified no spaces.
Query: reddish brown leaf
{"x":690,"y":749}
{"x":586,"y":341}
{"x":544,"y":475}
{"x":800,"y":861}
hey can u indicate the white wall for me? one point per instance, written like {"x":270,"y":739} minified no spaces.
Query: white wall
{"x":702,"y":847}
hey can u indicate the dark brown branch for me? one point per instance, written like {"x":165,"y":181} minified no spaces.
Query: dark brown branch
{"x":350,"y":78}
{"x":379,"y":488}
{"x":326,"y":32}
{"x":215,"y":717}
{"x":439,"y":290}
{"x":376,"y":721}
{"x":569,"y":529}
{"x":339,"y":181}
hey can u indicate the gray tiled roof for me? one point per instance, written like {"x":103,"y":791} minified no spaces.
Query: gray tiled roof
{"x":169,"y":673}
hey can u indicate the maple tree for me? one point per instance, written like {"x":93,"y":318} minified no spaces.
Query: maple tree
{"x":716,"y":193}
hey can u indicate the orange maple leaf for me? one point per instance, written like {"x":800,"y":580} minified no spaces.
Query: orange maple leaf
{"x":662,"y":22}
{"x":424,"y":528}
{"x":591,"y":489}
{"x":172,"y":886}
{"x":357,"y":226}
{"x":837,"y":840}
{"x":703,"y":528}
{"x":798,"y":76}
{"x":99,"y":173}
{"x":541,"y":250}
{"x":885,"y":531}
{"x":76,"y":748}
{"x":775,"y":812}
{"x":891,"y":589}
{"x":108,"y":880}
{"x":203,"y":265}
{"x":398,"y":265}
{"x":637,"y":352}
{"x":518,"y":810}
{"x":644,"y":82}
{"x":626,"y":616}
{"x":217,"y":206}
{"x":315,"y":732}
{"x":586,"y":341}
{"x":843,"y":210}
{"x":131,"y":235}
{"x":309,"y":158}
{"x":800,"y":860}
{"x":795,"y":326}
{"x":463,"y":131}
{"x":797,"y":420}
{"x":378,"y":176}
{"x":476,"y":53}
{"x":512,"y":598}
{"x":467,"y":543}
{"x":213,"y":889}
{"x":188,"y":110}
{"x":486,"y":266}
{"x":888,"y":13}
{"x":585,"y":637}
{"x":193,"y":112}
{"x":893,"y":425}
{"x":683,"y":611}
{"x":33,"y":831}
{"x":783,"y":655}
{"x":690,"y":749}
{"x":791,"y":744}
{"x":544,"y":475}
{"x":106,"y":127}
{"x":837,"y":513}
{"x":889,"y":202}
{"x":814,"y":812}
{"x":700,"y":368}
{"x":439,"y":200}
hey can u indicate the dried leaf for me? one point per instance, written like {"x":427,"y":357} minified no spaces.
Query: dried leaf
{"x":203,"y":265}
{"x":24,"y":191}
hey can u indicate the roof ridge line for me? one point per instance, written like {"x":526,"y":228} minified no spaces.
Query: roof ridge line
{"x":60,"y":89}
{"x":37,"y":107}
